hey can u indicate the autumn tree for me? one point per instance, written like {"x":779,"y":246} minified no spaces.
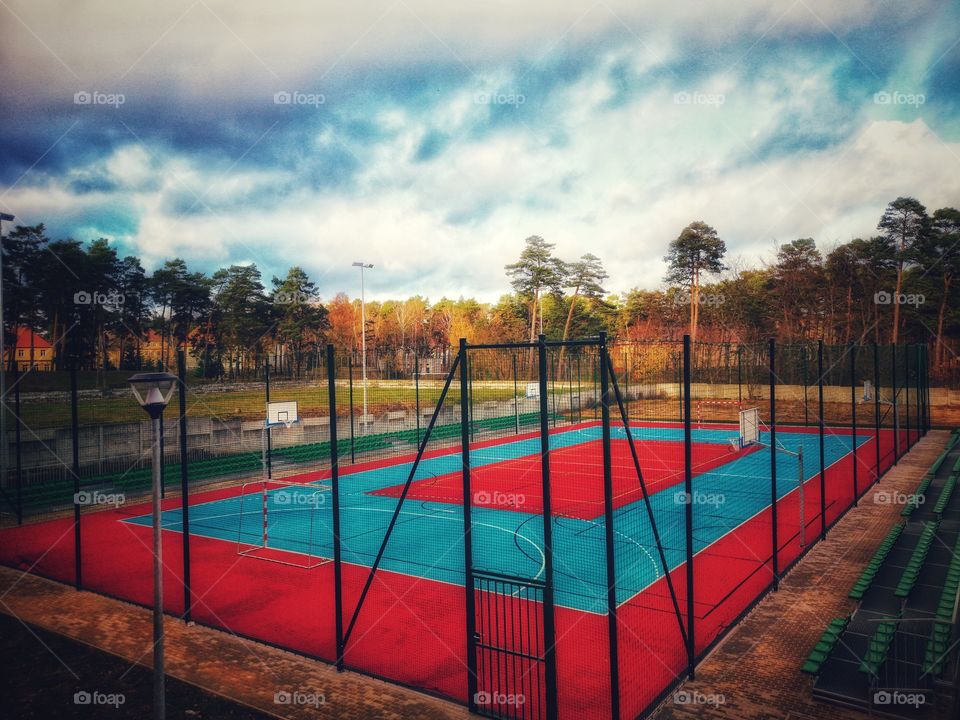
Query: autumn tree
{"x":798,"y":286}
{"x":299,"y":317}
{"x":535,"y":272}
{"x":696,"y":252}
{"x":242,"y":315}
{"x":902,"y":225}
{"x":21,"y":252}
{"x":938,"y":255}
{"x":586,"y":277}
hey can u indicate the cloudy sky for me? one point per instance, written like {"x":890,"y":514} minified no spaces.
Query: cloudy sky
{"x":430,"y":138}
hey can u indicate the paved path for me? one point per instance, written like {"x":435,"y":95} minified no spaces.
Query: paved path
{"x":244,"y":671}
{"x":755,"y":671}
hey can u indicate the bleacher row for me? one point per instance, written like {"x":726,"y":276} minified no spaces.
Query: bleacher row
{"x":899,"y":642}
{"x":60,"y":493}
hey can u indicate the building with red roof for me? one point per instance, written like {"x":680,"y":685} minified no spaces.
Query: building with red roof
{"x":31,"y":351}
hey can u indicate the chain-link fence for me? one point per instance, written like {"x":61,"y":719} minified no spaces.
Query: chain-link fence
{"x":538,"y":529}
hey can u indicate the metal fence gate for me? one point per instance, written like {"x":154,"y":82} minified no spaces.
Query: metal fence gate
{"x":511,"y":635}
{"x":508,"y":647}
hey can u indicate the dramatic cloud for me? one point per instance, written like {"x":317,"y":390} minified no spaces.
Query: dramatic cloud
{"x":431,"y":139}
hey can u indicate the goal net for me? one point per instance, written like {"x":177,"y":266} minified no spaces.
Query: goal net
{"x":283,"y":521}
{"x":750,"y":434}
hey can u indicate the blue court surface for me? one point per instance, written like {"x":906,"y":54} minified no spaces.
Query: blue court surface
{"x":427,"y":539}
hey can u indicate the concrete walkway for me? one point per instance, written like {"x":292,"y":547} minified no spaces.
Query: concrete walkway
{"x":244,"y":671}
{"x":754,"y":674}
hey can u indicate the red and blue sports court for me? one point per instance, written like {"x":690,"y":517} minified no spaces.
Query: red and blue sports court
{"x":258,"y":552}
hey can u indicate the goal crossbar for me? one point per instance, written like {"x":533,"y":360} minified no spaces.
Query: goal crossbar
{"x":750,"y":426}
{"x":272,"y":498}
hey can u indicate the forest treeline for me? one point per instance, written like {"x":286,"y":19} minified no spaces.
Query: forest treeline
{"x":98,"y":308}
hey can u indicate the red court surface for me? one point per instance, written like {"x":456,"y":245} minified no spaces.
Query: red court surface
{"x":575,"y":476}
{"x":412,"y":630}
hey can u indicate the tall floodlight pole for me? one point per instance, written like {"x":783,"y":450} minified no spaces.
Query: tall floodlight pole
{"x":3,"y":366}
{"x":153,"y":391}
{"x":363,"y":334}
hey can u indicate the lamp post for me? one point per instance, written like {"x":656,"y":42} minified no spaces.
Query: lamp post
{"x":153,"y":391}
{"x":363,"y":334}
{"x":3,"y":365}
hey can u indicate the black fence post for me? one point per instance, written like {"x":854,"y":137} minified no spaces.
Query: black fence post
{"x":75,"y":467}
{"x":184,"y":482}
{"x":18,"y":447}
{"x":466,"y":359}
{"x":906,"y":391}
{"x":926,"y":385}
{"x":926,"y":388}
{"x":579,"y":392}
{"x":266,"y":429}
{"x":918,"y":372}
{"x":416,"y":388}
{"x":740,"y":374}
{"x":516,"y":397}
{"x":353,"y":444}
{"x":335,"y":497}
{"x":893,"y":399}
{"x":612,"y":628}
{"x":681,"y":394}
{"x":806,"y":382}
{"x":549,"y":628}
{"x":471,"y":619}
{"x":876,"y":406}
{"x":596,"y":395}
{"x":553,"y":389}
{"x":688,"y":507}
{"x":773,"y":464}
{"x":823,"y":470}
{"x":853,"y":418}
{"x":163,"y":476}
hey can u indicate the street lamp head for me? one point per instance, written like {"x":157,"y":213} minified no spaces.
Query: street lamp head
{"x":363,"y":265}
{"x":153,"y":391}
{"x":6,"y":217}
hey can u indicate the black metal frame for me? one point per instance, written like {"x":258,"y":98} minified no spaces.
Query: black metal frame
{"x":822,"y":443}
{"x":335,"y":497}
{"x":184,"y":481}
{"x":610,"y":392}
{"x":775,"y":564}
{"x":853,"y":419}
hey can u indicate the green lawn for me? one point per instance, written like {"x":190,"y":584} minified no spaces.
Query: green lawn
{"x":248,"y":404}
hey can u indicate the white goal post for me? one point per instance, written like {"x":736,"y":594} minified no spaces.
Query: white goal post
{"x":750,"y":425}
{"x":287,"y":513}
